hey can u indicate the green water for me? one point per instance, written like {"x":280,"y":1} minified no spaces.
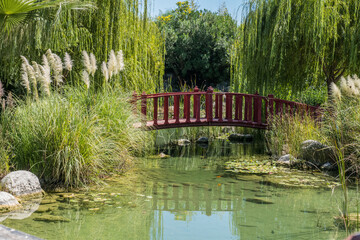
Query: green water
{"x":187,"y":196}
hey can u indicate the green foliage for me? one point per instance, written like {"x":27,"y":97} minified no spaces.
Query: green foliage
{"x":287,"y":45}
{"x":72,"y":139}
{"x":117,"y":25}
{"x":286,"y":133}
{"x":313,"y":96}
{"x":197,"y":44}
{"x":342,"y":123}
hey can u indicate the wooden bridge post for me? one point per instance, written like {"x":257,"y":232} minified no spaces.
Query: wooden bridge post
{"x":176,"y":108}
{"x":257,"y":108}
{"x":143,"y":107}
{"x":219,"y":108}
{"x":155,"y":117}
{"x":269,"y":107}
{"x":196,"y":104}
{"x":209,"y":104}
{"x":166,"y":110}
{"x":229,"y":100}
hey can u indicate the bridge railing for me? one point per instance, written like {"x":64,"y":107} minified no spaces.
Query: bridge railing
{"x":198,"y":108}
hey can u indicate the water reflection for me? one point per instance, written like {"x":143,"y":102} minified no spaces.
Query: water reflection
{"x":190,"y":196}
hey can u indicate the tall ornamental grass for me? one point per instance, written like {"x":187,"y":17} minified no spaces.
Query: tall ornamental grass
{"x":286,"y":133}
{"x":74,"y":138}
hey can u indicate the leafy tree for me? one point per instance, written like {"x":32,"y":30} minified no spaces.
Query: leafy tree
{"x":287,"y":45}
{"x":113,"y":24}
{"x":197,"y":44}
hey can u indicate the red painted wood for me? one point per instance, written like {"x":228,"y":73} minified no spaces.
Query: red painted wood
{"x":217,"y":99}
{"x":248,"y":109}
{"x":187,"y":108}
{"x":270,"y":107}
{"x":197,"y":110}
{"x":196,"y":89}
{"x":209,"y":104}
{"x":176,"y":108}
{"x":237,"y":100}
{"x":257,"y":109}
{"x":229,"y":99}
{"x":220,"y":108}
{"x":143,"y":104}
{"x":155,"y":117}
{"x":251,"y":116}
{"x":166,"y":109}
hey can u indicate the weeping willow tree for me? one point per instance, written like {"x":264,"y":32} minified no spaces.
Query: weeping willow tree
{"x":284,"y":46}
{"x":112,"y":25}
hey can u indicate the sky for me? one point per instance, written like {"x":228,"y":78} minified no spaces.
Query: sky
{"x":234,"y":6}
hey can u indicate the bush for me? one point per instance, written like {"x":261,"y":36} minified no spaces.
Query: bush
{"x":288,"y":132}
{"x":72,"y":138}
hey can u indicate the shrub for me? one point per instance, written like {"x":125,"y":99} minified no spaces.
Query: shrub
{"x":72,"y":138}
{"x":288,"y":132}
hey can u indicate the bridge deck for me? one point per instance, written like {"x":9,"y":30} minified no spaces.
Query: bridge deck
{"x":203,"y":122}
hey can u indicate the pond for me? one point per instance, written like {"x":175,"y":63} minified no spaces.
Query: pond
{"x":189,"y":196}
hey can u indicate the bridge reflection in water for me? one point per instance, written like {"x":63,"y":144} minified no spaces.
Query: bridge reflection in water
{"x":193,"y":197}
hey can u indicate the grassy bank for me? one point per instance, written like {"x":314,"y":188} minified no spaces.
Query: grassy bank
{"x":71,"y":138}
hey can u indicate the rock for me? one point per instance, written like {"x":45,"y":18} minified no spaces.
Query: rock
{"x":21,"y":184}
{"x":183,"y":142}
{"x":315,"y":152}
{"x":329,"y":166}
{"x":288,"y":160}
{"x":163,"y":155}
{"x":285,"y":160}
{"x":203,"y":140}
{"x":28,"y":208}
{"x":51,"y":218}
{"x":237,"y":137}
{"x":8,"y":202}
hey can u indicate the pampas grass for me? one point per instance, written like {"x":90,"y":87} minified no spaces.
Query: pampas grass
{"x":73,"y":138}
{"x":68,"y":63}
{"x":86,"y":78}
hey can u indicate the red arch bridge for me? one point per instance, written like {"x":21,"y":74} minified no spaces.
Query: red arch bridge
{"x":191,"y":109}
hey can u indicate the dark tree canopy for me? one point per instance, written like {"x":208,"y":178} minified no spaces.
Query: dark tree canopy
{"x":288,"y":45}
{"x":197,"y":44}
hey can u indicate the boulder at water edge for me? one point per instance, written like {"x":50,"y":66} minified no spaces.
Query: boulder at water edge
{"x":183,"y":142}
{"x":203,"y":140}
{"x":21,"y":184}
{"x":236,"y":137}
{"x":286,"y":160}
{"x":315,"y":152}
{"x":8,"y":202}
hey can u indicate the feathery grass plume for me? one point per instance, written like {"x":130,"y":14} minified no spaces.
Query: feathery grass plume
{"x":86,"y":61}
{"x":45,"y":62}
{"x":58,"y":68}
{"x":3,"y":104}
{"x":25,"y":78}
{"x":32,"y":77}
{"x":120,"y":60}
{"x":68,"y":63}
{"x":344,"y":86}
{"x":112,"y":69}
{"x":50,"y":58}
{"x":37,"y":72}
{"x":2,"y":91}
{"x":45,"y":80}
{"x":351,"y":85}
{"x":356,"y":81}
{"x":10,"y":100}
{"x":93,"y":64}
{"x":86,"y":78}
{"x":105,"y":71}
{"x":335,"y":91}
